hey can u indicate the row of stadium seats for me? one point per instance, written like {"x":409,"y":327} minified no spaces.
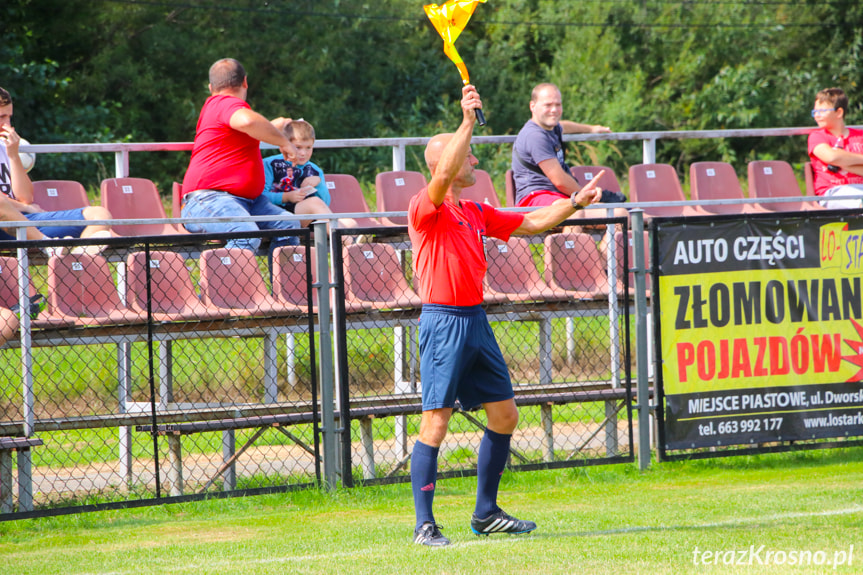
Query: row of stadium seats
{"x":83,"y":292}
{"x":138,"y":198}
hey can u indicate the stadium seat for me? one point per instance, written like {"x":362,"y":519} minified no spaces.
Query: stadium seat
{"x":346,"y":197}
{"x":135,"y":198}
{"x":173,"y":296}
{"x":289,"y":275}
{"x":809,"y":178}
{"x":176,"y":195}
{"x":57,"y":195}
{"x":776,"y":179}
{"x":9,"y":294}
{"x":82,"y":290}
{"x":394,"y":191}
{"x":574,"y":264}
{"x":618,"y":240}
{"x":374,"y":278}
{"x":584,"y":174}
{"x":658,"y":183}
{"x":482,"y":191}
{"x":718,"y":181}
{"x":232,"y":280}
{"x":512,"y":275}
{"x":509,"y":189}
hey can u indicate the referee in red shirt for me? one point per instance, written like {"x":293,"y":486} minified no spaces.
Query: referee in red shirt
{"x":459,"y":356}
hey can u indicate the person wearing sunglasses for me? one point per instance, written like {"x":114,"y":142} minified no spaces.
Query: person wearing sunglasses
{"x":836,"y":152}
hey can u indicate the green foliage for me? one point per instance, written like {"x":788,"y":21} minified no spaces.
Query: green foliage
{"x":125,"y":71}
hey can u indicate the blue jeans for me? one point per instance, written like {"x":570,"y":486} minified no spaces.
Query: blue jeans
{"x":54,"y":231}
{"x":215,"y":204}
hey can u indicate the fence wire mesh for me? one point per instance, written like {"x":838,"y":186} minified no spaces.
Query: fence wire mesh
{"x":170,"y":367}
{"x":566,"y":345}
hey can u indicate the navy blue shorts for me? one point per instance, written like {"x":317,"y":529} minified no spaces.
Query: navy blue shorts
{"x":54,"y":231}
{"x":460,"y":358}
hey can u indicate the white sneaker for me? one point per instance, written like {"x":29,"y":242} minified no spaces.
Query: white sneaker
{"x":93,"y":249}
{"x":56,"y":251}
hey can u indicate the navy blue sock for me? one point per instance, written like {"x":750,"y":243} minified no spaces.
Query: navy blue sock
{"x":491,"y":461}
{"x":423,"y":480}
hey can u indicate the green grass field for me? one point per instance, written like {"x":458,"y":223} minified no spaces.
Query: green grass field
{"x":783,"y":513}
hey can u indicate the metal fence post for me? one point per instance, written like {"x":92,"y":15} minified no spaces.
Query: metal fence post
{"x":327,"y":374}
{"x":641,"y":360}
{"x":648,"y":151}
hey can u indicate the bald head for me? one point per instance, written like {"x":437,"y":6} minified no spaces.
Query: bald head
{"x":226,"y":74}
{"x":434,"y":149}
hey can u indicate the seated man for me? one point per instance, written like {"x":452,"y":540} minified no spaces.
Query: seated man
{"x":226,"y":175}
{"x":8,"y":325}
{"x":16,"y":193}
{"x":836,"y":151}
{"x":539,"y":171}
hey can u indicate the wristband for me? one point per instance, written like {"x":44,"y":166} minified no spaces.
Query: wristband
{"x":575,"y":205}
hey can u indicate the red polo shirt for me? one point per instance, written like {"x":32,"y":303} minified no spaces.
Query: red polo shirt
{"x":448,"y":247}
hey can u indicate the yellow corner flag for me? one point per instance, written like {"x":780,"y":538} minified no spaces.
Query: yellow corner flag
{"x":449,"y":20}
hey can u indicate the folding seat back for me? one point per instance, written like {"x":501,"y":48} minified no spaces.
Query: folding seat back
{"x":172,"y":290}
{"x":509,"y":186}
{"x":81,"y":287}
{"x":176,"y":195}
{"x":658,"y":183}
{"x":135,"y":198}
{"x":717,"y":181}
{"x":170,"y":283}
{"x":574,"y":263}
{"x":58,"y":195}
{"x":373,"y":274}
{"x":9,"y":282}
{"x":512,"y":272}
{"x":394,"y":191}
{"x":231,"y":279}
{"x":346,"y":197}
{"x":776,"y":179}
{"x":809,"y":179}
{"x":584,"y":174}
{"x":290,"y":275}
{"x":482,"y":191}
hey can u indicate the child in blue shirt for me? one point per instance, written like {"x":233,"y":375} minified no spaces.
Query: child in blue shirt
{"x":299,"y":188}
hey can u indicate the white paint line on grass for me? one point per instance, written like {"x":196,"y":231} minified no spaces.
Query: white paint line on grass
{"x":511,"y":540}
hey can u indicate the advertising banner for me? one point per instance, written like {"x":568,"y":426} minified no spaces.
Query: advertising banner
{"x":760,"y":329}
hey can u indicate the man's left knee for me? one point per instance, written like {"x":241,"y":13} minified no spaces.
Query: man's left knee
{"x":96,"y":213}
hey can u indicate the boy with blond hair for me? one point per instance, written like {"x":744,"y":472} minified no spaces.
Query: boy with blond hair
{"x":298,"y":186}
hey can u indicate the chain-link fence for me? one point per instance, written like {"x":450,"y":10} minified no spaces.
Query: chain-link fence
{"x":563,"y":331}
{"x":159,"y":366}
{"x":166,"y":368}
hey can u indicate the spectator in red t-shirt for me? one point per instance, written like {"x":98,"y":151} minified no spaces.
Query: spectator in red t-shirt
{"x":836,"y":152}
{"x":226,"y":174}
{"x":459,"y":357}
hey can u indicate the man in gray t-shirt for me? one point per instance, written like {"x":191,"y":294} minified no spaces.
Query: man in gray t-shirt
{"x":539,"y":171}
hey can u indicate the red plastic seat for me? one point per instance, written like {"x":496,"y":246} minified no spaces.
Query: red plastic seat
{"x":289,"y":275}
{"x":574,"y":264}
{"x":776,"y":179}
{"x":57,"y":195}
{"x":231,"y":280}
{"x":809,"y":179}
{"x":374,"y":278}
{"x":658,"y":183}
{"x":394,"y":191}
{"x":718,"y":181}
{"x":584,"y":174}
{"x":346,"y":197}
{"x":135,"y":198}
{"x":173,"y":295}
{"x":9,"y":293}
{"x":512,"y":275}
{"x":482,"y":191}
{"x":82,"y":290}
{"x":509,"y":189}
{"x":618,"y":240}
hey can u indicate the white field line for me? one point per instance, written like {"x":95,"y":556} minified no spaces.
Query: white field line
{"x":512,"y":540}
